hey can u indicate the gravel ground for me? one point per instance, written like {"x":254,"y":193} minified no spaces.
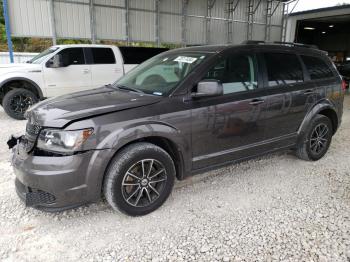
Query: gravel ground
{"x":272,"y":208}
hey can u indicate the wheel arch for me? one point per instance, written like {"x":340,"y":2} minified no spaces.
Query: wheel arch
{"x":326,"y":109}
{"x":332,"y":115}
{"x":163,"y":142}
{"x":166,"y":144}
{"x":29,"y":85}
{"x":160,"y":134}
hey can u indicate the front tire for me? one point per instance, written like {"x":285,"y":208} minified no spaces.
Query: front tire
{"x":17,"y":101}
{"x":139,"y":179}
{"x":316,"y":140}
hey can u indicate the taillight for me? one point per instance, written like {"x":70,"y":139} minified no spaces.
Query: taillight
{"x":343,"y":85}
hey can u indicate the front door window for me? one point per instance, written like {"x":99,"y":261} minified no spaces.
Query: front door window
{"x":236,"y":73}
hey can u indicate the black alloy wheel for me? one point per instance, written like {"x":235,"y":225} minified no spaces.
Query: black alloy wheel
{"x":139,"y":179}
{"x":144,"y":182}
{"x":17,"y":101}
{"x":20,"y":103}
{"x":315,"y":139}
{"x":319,"y":138}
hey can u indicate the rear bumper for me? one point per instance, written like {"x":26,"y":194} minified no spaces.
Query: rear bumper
{"x":60,"y":182}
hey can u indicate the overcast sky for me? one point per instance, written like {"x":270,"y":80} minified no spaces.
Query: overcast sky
{"x":315,"y":4}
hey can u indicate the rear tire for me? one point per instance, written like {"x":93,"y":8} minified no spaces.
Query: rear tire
{"x":17,"y":101}
{"x":139,"y":179}
{"x":316,"y":139}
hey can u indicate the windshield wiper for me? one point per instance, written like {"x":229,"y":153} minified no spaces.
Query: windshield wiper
{"x":129,"y":89}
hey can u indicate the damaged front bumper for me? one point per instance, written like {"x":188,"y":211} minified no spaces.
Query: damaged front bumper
{"x":51,"y":183}
{"x":13,"y":141}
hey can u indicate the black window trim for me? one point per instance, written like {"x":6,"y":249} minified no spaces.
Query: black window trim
{"x":306,"y":75}
{"x":88,"y":55}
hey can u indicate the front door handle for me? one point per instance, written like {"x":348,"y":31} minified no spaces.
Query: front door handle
{"x":255,"y":102}
{"x":86,"y":71}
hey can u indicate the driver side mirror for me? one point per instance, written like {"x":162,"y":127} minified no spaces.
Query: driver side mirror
{"x":55,"y":62}
{"x":208,"y":88}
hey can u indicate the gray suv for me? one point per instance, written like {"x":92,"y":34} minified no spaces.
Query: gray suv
{"x":179,"y":113}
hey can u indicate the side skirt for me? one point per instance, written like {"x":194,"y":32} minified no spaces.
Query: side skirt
{"x":239,"y":160}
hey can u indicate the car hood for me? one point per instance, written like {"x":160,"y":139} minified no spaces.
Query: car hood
{"x":59,"y":111}
{"x":20,"y":67}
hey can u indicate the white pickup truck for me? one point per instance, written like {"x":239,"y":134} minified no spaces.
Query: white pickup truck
{"x":63,"y":69}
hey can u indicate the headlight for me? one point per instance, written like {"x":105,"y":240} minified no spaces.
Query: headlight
{"x":62,"y":141}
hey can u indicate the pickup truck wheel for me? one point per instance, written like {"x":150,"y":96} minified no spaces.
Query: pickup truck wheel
{"x":17,"y":101}
{"x":316,"y":139}
{"x":139,"y":179}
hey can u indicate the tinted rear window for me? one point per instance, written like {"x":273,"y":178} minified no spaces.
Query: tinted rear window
{"x":137,"y":55}
{"x":103,"y":56}
{"x":283,"y":69}
{"x":316,"y":67}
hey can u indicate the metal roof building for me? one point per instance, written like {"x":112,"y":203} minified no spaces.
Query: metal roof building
{"x":185,"y":22}
{"x":328,"y":28}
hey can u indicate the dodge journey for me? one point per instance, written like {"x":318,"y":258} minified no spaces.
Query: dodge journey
{"x":179,"y":113}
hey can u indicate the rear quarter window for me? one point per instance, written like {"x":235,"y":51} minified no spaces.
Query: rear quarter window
{"x":102,"y":56}
{"x":316,"y":67}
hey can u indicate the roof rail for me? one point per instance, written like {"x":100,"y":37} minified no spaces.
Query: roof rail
{"x":296,"y":44}
{"x":256,"y":42}
{"x":252,"y":42}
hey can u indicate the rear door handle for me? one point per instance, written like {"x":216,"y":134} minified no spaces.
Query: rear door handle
{"x":255,"y":102}
{"x":309,"y":91}
{"x":85,"y":71}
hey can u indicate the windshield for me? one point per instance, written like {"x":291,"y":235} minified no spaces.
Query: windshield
{"x":161,"y":74}
{"x":42,"y":56}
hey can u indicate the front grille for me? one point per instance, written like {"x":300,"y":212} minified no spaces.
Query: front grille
{"x":34,"y":197}
{"x":39,"y":197}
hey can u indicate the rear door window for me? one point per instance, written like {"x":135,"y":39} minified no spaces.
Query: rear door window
{"x":316,"y":67}
{"x":283,"y":69}
{"x":102,"y":55}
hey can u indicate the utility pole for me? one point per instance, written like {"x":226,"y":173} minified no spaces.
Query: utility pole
{"x":8,"y":29}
